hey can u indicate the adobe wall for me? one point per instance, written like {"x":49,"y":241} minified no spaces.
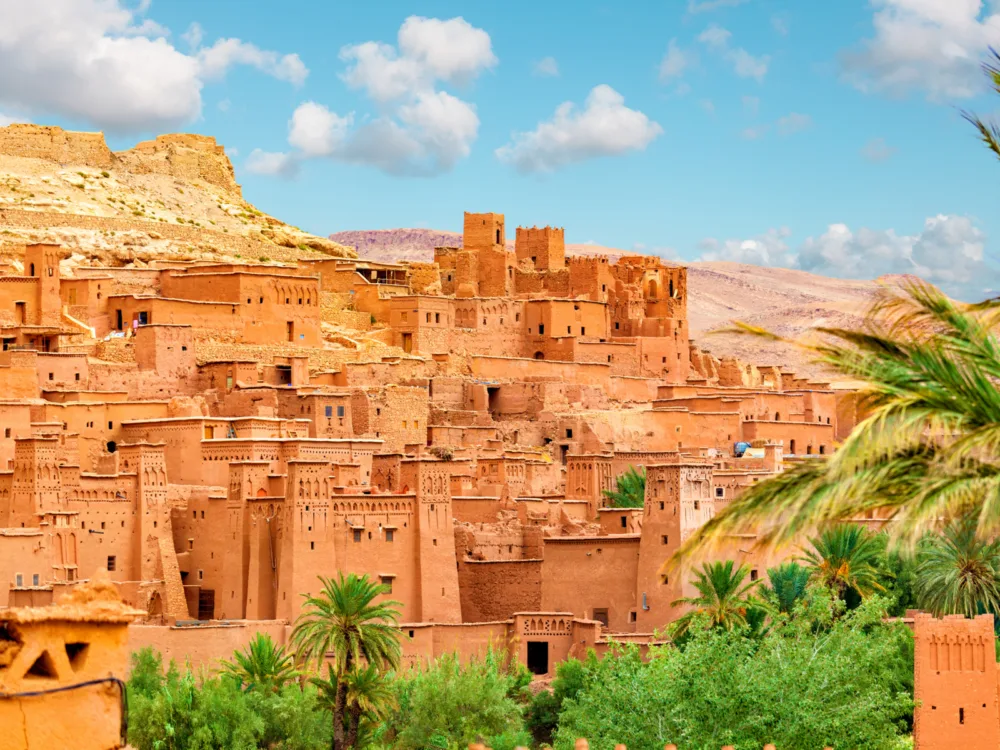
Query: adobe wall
{"x":955,"y":683}
{"x":55,"y":144}
{"x":203,"y":645}
{"x":496,"y":589}
{"x":581,"y":574}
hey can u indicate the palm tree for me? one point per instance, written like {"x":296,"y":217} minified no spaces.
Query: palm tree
{"x":958,"y":572}
{"x":630,"y":491}
{"x":788,"y":586}
{"x":845,"y":559}
{"x":262,"y":665}
{"x":345,"y":626}
{"x":928,"y":450}
{"x":370,"y":698}
{"x":723,"y":597}
{"x":989,"y":132}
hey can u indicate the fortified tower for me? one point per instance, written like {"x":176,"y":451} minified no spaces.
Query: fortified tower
{"x":484,"y":260}
{"x":438,"y":577}
{"x":678,"y":501}
{"x":36,"y":482}
{"x":545,"y":247}
{"x":42,"y":263}
{"x":247,"y":479}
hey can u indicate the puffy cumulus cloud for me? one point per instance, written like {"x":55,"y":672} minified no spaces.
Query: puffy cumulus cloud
{"x":604,"y":127}
{"x":316,"y":131}
{"x":6,"y":120}
{"x":745,"y":65}
{"x":932,"y":46}
{"x":420,"y":130}
{"x":949,"y":251}
{"x":102,"y":62}
{"x":768,"y":249}
{"x":226,"y":53}
{"x":547,"y":67}
{"x":429,"y":50}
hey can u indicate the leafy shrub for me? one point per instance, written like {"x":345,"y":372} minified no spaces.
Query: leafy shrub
{"x":810,"y":681}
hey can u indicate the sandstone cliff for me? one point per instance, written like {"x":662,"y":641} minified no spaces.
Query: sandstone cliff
{"x":175,"y":196}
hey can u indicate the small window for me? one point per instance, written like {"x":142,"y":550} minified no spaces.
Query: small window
{"x":387,"y":582}
{"x":201,"y":575}
{"x":312,"y":545}
{"x":51,"y":376}
{"x":753,"y":575}
{"x":624,"y":522}
{"x":329,"y":412}
{"x":666,"y":539}
{"x":720,"y":492}
{"x":341,"y":410}
{"x":389,"y":535}
{"x":6,"y":432}
{"x":569,"y":432}
{"x":190,"y":543}
{"x":617,"y":326}
{"x":77,"y":376}
{"x":541,"y":328}
{"x":35,"y":578}
{"x":437,"y":317}
{"x":569,"y":329}
{"x":661,"y":505}
{"x":428,"y":317}
{"x":102,"y":524}
{"x":112,"y":560}
{"x":111,"y":425}
{"x":697,"y":505}
{"x":19,"y":580}
{"x":583,"y":331}
{"x":357,"y":535}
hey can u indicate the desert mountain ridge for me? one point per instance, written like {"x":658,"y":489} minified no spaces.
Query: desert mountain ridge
{"x":786,"y":301}
{"x":173,"y":197}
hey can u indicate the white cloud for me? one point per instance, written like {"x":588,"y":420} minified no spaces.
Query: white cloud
{"x":708,"y":105}
{"x":547,"y":67}
{"x":683,"y":89}
{"x":100,"y":62}
{"x":751,"y":105}
{"x":715,"y":37}
{"x":193,"y":35}
{"x":780,"y":25}
{"x":674,"y":62}
{"x":703,"y":6}
{"x":224,"y":105}
{"x":271,"y":163}
{"x":420,"y":129}
{"x":6,"y":120}
{"x":794,"y":123}
{"x":316,"y":131}
{"x":877,"y":150}
{"x":604,"y":127}
{"x":216,"y":60}
{"x":429,"y":50}
{"x":744,"y":64}
{"x":948,"y":251}
{"x":932,"y":46}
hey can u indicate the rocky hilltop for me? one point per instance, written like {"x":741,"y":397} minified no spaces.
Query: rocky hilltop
{"x":175,"y":196}
{"x":786,"y":301}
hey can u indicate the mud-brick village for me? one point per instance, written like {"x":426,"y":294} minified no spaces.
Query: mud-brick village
{"x":500,"y":487}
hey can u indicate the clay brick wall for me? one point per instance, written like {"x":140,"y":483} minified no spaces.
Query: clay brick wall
{"x":495,"y":590}
{"x":955,"y":683}
{"x":545,"y":248}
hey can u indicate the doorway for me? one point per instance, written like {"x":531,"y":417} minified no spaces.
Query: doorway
{"x":538,"y":657}
{"x":290,"y":327}
{"x":407,"y":342}
{"x":206,"y":604}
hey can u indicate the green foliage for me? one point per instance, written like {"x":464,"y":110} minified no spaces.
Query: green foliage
{"x":810,"y":681}
{"x":359,"y":639}
{"x":958,"y":572}
{"x":989,"y":133}
{"x":787,"y":588}
{"x":177,"y":711}
{"x":928,"y":449}
{"x":261,"y":666}
{"x":630,"y":491}
{"x":899,"y":577}
{"x":846,"y":560}
{"x":449,"y":705}
{"x":722,"y":597}
{"x":543,"y":713}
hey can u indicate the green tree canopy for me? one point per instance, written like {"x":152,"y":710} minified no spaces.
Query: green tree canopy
{"x":630,"y":490}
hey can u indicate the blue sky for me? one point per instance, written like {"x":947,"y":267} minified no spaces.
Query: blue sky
{"x":822,"y":136}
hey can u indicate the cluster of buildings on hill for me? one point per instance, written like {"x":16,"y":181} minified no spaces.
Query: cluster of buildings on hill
{"x":217,"y":436}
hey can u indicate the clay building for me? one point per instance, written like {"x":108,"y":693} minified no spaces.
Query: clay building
{"x":218,"y":435}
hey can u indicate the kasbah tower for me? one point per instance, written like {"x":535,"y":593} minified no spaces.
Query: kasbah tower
{"x":215,"y":434}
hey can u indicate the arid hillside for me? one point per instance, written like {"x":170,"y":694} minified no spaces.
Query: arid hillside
{"x":175,"y":196}
{"x":785,"y":301}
